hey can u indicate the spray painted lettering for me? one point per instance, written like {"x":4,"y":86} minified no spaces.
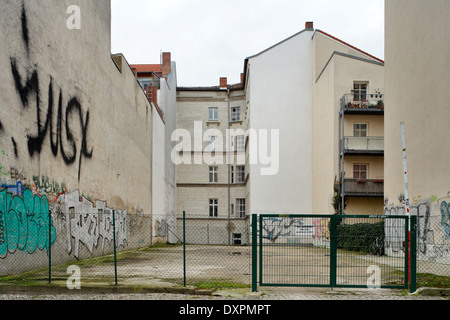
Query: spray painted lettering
{"x":28,"y":87}
{"x":24,"y":223}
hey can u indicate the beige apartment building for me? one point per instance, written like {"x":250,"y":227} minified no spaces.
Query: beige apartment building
{"x":348,"y":128}
{"x":212,"y":172}
{"x":322,"y":99}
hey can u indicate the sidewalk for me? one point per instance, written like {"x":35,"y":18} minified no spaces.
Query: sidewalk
{"x":59,"y":291}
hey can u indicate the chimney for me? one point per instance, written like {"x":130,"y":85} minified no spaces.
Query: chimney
{"x":242,"y":78}
{"x":309,"y":25}
{"x":223,"y":83}
{"x":166,"y":63}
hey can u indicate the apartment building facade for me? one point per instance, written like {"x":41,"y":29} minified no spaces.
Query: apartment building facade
{"x":293,"y":104}
{"x":212,"y":172}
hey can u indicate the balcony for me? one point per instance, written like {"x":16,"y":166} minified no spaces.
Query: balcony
{"x":370,"y":103}
{"x":364,"y":145}
{"x":363,"y":188}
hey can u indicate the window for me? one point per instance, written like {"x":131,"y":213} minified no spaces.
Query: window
{"x":240,"y":208}
{"x":360,"y":91}
{"x":232,"y":174}
{"x":213,"y":174}
{"x":213,"y":114}
{"x":237,"y":239}
{"x":240,"y":174}
{"x":240,"y":143}
{"x":360,"y":130}
{"x":235,"y":114}
{"x":213,"y":207}
{"x":360,"y":171}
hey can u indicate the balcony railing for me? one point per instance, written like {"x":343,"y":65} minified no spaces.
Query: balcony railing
{"x":364,"y":144}
{"x":369,"y":102}
{"x":366,"y":188}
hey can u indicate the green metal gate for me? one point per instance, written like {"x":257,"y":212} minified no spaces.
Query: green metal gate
{"x":355,"y":251}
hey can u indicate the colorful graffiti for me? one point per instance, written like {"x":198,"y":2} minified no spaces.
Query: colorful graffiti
{"x":24,"y":223}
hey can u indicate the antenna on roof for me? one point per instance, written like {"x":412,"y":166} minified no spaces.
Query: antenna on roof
{"x":160,"y":59}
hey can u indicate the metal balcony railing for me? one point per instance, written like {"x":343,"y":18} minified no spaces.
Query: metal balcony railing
{"x":363,"y":102}
{"x":364,"y":144}
{"x":364,"y":187}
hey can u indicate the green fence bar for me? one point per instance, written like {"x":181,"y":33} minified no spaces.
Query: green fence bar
{"x":254,"y":253}
{"x":49,"y":247}
{"x":114,"y":240}
{"x":333,"y":250}
{"x":184,"y":248}
{"x":413,"y":254}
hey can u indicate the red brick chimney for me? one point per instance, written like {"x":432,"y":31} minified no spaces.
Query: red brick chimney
{"x":309,"y":25}
{"x":223,"y":83}
{"x":166,"y":63}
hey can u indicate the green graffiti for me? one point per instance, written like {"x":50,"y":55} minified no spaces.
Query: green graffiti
{"x":24,"y":223}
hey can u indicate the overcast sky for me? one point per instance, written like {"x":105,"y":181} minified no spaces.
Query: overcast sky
{"x":210,"y":39}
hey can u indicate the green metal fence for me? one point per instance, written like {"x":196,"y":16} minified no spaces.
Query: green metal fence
{"x":333,"y":251}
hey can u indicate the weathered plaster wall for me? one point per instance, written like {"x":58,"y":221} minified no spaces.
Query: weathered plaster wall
{"x":75,"y":133}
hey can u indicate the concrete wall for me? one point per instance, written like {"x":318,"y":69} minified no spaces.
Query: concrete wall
{"x":417,"y":77}
{"x":281,"y":99}
{"x":76,"y":134}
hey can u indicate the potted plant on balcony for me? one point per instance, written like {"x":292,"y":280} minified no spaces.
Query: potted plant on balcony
{"x":380,"y":104}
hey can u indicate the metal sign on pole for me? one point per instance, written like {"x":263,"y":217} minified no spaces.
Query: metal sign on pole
{"x":405,"y":179}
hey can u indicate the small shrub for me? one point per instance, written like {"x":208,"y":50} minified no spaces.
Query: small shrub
{"x":359,"y":237}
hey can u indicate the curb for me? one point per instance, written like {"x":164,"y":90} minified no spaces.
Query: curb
{"x":98,"y":289}
{"x":433,"y":292}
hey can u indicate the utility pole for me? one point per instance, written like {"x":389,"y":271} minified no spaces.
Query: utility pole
{"x":405,"y":179}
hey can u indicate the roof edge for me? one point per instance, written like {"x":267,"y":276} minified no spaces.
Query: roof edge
{"x":348,"y":45}
{"x":277,"y":44}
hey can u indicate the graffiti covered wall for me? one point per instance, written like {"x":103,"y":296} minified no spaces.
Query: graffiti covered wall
{"x":432,"y":230}
{"x":75,"y":133}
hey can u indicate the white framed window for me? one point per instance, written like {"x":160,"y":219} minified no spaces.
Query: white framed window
{"x":360,"y":90}
{"x":240,"y":208}
{"x":213,"y":207}
{"x":213,"y":114}
{"x":359,"y":171}
{"x":240,"y":143}
{"x":213,"y":174}
{"x":240,"y":174}
{"x":235,"y":114}
{"x":360,"y":130}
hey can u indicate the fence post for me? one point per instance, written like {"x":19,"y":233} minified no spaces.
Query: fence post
{"x":114,"y":240}
{"x":333,"y":250}
{"x":49,"y":247}
{"x":254,"y":253}
{"x":413,"y":254}
{"x":184,"y":248}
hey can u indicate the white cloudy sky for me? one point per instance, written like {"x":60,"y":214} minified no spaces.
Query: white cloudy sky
{"x":210,"y":39}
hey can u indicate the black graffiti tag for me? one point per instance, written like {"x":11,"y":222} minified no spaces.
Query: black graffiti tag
{"x":29,"y":88}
